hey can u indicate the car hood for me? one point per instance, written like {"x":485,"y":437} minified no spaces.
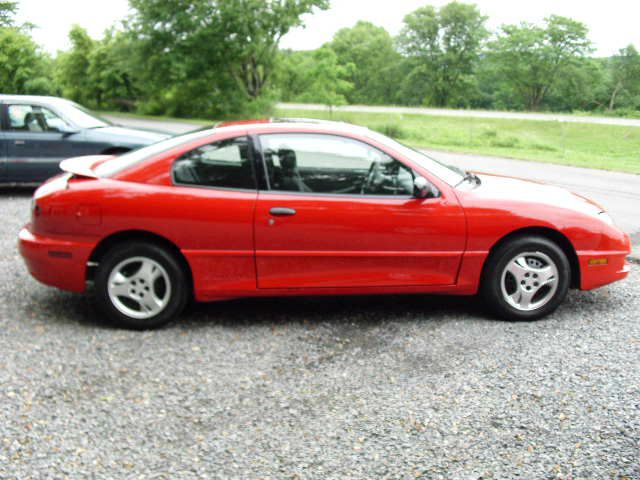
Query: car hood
{"x":131,"y":136}
{"x":497,"y":189}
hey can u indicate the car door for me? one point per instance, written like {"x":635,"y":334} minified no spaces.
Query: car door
{"x":35,"y":144}
{"x":339,"y":212}
{"x":216,"y":187}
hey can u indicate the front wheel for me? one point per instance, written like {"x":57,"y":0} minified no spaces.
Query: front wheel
{"x":526,"y":278}
{"x":140,"y":286}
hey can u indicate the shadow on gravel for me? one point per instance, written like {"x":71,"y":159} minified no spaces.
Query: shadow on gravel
{"x":364,"y":311}
{"x":17,"y":191}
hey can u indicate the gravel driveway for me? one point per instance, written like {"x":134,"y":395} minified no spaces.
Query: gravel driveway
{"x":365,"y":387}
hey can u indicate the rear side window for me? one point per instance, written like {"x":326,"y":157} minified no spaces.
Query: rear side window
{"x":223,"y":164}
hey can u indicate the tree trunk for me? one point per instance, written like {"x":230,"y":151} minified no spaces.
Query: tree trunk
{"x":614,"y":94}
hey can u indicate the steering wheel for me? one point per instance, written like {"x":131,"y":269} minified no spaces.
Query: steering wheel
{"x":372,"y":176}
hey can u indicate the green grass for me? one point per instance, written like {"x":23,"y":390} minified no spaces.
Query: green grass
{"x":606,"y":147}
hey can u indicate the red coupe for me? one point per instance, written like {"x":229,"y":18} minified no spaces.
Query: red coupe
{"x":308,"y":208}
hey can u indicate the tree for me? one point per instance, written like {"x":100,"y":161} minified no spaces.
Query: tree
{"x":7,"y":11}
{"x":369,"y":52}
{"x":443,"y":46}
{"x":530,"y":58}
{"x":23,"y":68}
{"x":325,"y":81}
{"x":73,"y":69}
{"x":625,"y":73}
{"x":223,"y":52}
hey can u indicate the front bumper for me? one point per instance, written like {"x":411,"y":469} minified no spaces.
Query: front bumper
{"x":55,"y":260}
{"x":594,"y":274}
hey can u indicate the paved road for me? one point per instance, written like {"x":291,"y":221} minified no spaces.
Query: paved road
{"x":618,"y":193}
{"x":441,"y":112}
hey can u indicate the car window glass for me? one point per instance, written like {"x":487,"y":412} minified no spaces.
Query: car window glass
{"x":331,"y":164}
{"x":33,"y":118}
{"x":224,"y":164}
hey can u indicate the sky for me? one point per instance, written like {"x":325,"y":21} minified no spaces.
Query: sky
{"x":613,"y":24}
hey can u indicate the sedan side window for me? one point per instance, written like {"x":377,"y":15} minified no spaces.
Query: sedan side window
{"x":317,"y":163}
{"x":224,"y":164}
{"x":33,"y":118}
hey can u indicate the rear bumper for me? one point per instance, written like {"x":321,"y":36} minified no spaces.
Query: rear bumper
{"x":56,"y":261}
{"x":594,"y":274}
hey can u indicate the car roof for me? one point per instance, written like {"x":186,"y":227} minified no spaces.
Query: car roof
{"x":293,"y":125}
{"x":32,"y":98}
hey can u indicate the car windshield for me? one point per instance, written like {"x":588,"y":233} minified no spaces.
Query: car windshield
{"x":80,"y":116}
{"x":450,"y":175}
{"x":135,"y":157}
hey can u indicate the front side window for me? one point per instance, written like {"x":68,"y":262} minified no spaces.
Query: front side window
{"x":33,"y":118}
{"x":330,"y":164}
{"x":223,"y":164}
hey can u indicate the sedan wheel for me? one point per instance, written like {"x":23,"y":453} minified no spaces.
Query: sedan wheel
{"x":526,"y":278}
{"x":140,"y":285}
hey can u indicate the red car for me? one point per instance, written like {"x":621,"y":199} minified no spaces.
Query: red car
{"x":308,"y":208}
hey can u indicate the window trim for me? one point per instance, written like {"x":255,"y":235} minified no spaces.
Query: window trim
{"x":251,"y":155}
{"x":4,"y":119}
{"x":269,"y":190}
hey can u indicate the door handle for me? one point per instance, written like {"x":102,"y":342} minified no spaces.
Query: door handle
{"x":19,"y":142}
{"x":282,"y":212}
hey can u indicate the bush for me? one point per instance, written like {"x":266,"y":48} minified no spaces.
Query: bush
{"x":392,"y":130}
{"x":506,"y":142}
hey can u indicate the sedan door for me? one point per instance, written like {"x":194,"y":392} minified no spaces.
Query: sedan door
{"x":35,"y":144}
{"x":340,"y":213}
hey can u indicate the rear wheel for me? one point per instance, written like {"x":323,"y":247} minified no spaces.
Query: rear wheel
{"x":140,"y":286}
{"x":526,"y":278}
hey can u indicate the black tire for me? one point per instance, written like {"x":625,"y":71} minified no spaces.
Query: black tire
{"x":492,"y":278}
{"x":176,"y":293}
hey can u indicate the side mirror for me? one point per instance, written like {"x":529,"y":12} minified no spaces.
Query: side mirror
{"x":422,"y":188}
{"x":67,"y":130}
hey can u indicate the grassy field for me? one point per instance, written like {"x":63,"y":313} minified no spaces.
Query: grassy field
{"x":607,"y":147}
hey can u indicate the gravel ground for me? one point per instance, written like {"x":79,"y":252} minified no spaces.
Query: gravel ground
{"x":383,"y":387}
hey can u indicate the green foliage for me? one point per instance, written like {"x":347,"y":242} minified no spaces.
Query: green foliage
{"x":393,"y":130}
{"x":23,"y":68}
{"x":444,"y":46}
{"x":529,"y":59}
{"x":210,"y":57}
{"x":73,"y":69}
{"x":220,"y":59}
{"x":368,"y":52}
{"x":7,"y":11}
{"x":315,"y":77}
{"x":625,"y":77}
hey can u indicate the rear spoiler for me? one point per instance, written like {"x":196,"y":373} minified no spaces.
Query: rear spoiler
{"x":83,"y":166}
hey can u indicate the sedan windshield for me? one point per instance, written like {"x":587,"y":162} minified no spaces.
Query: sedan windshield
{"x":80,"y":116}
{"x":451,"y":175}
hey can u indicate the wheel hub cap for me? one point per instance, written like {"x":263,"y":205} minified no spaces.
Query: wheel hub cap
{"x":139,"y":287}
{"x":529,"y":281}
